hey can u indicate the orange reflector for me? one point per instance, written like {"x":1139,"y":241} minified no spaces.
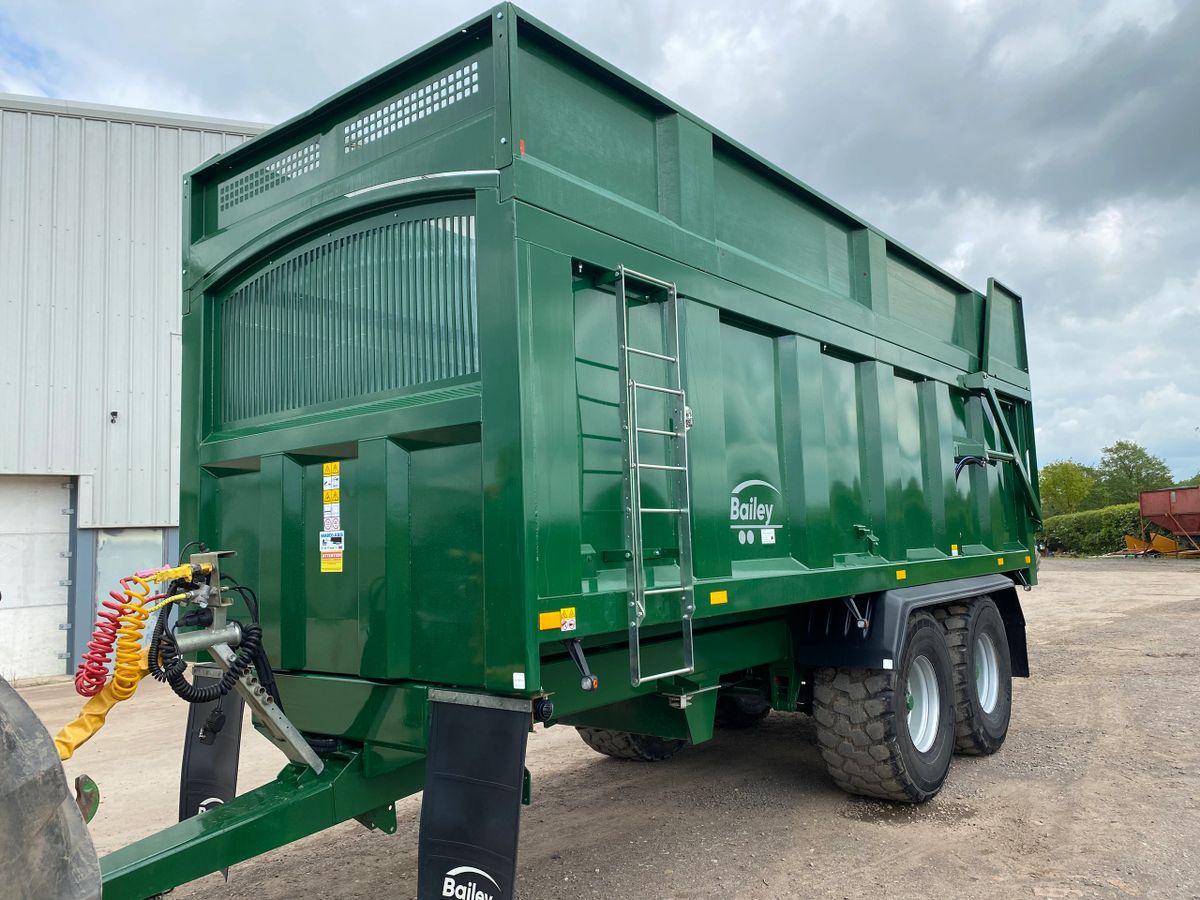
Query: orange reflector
{"x":1028,"y":559}
{"x":550,"y":621}
{"x":716,"y":598}
{"x":1000,"y":561}
{"x":901,"y":574}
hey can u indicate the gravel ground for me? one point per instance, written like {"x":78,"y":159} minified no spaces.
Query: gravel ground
{"x":1095,"y":794}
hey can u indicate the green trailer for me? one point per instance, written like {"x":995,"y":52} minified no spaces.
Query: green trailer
{"x":519,"y":394}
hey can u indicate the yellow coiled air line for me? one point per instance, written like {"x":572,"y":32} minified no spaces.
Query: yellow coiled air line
{"x":127,"y":667}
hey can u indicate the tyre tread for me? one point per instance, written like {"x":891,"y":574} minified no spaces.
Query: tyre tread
{"x":627,"y":745}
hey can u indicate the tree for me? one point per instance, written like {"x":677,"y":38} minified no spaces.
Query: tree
{"x":1064,"y":486}
{"x":1126,"y":469}
{"x":1194,"y":481}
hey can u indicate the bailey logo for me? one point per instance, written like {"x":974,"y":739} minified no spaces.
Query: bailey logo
{"x":460,"y":884}
{"x":751,"y":507}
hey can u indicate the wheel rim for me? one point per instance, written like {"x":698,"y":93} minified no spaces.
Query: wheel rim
{"x":987,"y":673}
{"x":923,"y":702}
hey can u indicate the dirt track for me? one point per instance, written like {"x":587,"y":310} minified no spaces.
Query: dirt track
{"x":1096,"y":793}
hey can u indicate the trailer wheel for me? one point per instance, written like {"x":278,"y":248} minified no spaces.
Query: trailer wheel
{"x":890,"y":734}
{"x":982,"y":674}
{"x":741,"y":710}
{"x":626,"y":745}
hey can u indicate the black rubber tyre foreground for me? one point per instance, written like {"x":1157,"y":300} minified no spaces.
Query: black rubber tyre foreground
{"x":978,"y":732}
{"x":741,"y":710}
{"x":862,"y":722}
{"x":625,"y":745}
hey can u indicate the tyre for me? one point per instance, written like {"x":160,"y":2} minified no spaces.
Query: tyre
{"x":741,"y":710}
{"x":982,"y":674}
{"x":890,"y":734}
{"x":626,"y":745}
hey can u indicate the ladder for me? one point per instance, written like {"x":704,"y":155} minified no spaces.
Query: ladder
{"x":653,"y":290}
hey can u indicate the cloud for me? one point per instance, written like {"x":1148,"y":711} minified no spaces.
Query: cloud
{"x":1054,"y":145}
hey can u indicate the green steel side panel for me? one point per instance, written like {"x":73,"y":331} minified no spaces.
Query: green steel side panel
{"x":1004,"y":353}
{"x":765,"y":219}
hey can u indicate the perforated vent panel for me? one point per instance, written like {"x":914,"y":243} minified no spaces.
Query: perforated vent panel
{"x":270,"y":175}
{"x":370,"y":310}
{"x":402,"y":112}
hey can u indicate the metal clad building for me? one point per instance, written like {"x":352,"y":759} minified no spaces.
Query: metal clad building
{"x":89,"y":358}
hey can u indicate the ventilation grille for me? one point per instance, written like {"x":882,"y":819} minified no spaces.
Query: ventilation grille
{"x":371,"y":311}
{"x":269,"y":175}
{"x":402,"y":112}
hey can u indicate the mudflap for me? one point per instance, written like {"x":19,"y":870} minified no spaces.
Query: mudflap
{"x":471,"y":809}
{"x":45,"y":847}
{"x":209,"y":773}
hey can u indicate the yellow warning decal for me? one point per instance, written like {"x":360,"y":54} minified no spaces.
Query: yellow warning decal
{"x":716,"y":598}
{"x":331,"y":468}
{"x":1000,"y":561}
{"x":331,"y":561}
{"x":334,"y":495}
{"x":550,"y":621}
{"x":901,"y":574}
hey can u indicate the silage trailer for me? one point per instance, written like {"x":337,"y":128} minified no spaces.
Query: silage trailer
{"x":514,"y":393}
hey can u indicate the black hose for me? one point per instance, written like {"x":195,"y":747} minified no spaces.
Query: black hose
{"x":173,"y":665}
{"x":968,"y":461}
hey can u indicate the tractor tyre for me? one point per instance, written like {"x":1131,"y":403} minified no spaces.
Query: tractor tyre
{"x":626,"y":745}
{"x":890,"y":734}
{"x":982,"y":674}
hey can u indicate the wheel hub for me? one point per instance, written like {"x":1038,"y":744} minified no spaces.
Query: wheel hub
{"x":923,"y":700}
{"x":987,"y":673}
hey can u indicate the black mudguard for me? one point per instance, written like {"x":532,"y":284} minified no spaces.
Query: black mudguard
{"x":827,"y":634}
{"x":471,"y":808}
{"x":209,"y":773}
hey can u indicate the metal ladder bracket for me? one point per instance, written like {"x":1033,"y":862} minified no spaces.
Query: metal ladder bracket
{"x":676,"y":470}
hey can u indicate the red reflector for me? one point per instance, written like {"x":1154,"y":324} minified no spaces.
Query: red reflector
{"x":522,"y":146}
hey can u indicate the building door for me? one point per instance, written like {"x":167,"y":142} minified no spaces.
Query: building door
{"x":35,"y":526}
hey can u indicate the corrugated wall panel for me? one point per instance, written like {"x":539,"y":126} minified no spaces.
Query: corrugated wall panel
{"x":90,"y":297}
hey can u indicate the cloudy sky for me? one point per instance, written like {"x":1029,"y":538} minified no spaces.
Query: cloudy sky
{"x":1055,"y":145}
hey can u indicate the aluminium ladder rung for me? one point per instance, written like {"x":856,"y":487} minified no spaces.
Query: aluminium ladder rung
{"x":642,"y":465}
{"x":686,"y":670}
{"x":677,"y":589}
{"x":641,"y":430}
{"x":672,"y":510}
{"x":656,"y":387}
{"x":651,"y":354}
{"x":647,"y":279}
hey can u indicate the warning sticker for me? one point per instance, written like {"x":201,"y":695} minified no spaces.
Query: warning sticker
{"x":567,"y":617}
{"x":332,"y":540}
{"x":768,"y":535}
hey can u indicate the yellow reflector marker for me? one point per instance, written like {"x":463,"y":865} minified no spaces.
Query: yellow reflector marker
{"x":716,"y":598}
{"x":901,"y":574}
{"x":549,"y":621}
{"x":1028,"y":559}
{"x":1000,"y":561}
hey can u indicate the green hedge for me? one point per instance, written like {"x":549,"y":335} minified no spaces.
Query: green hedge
{"x":1093,"y":532}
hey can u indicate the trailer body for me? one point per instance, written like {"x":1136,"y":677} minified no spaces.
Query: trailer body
{"x":403,"y":409}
